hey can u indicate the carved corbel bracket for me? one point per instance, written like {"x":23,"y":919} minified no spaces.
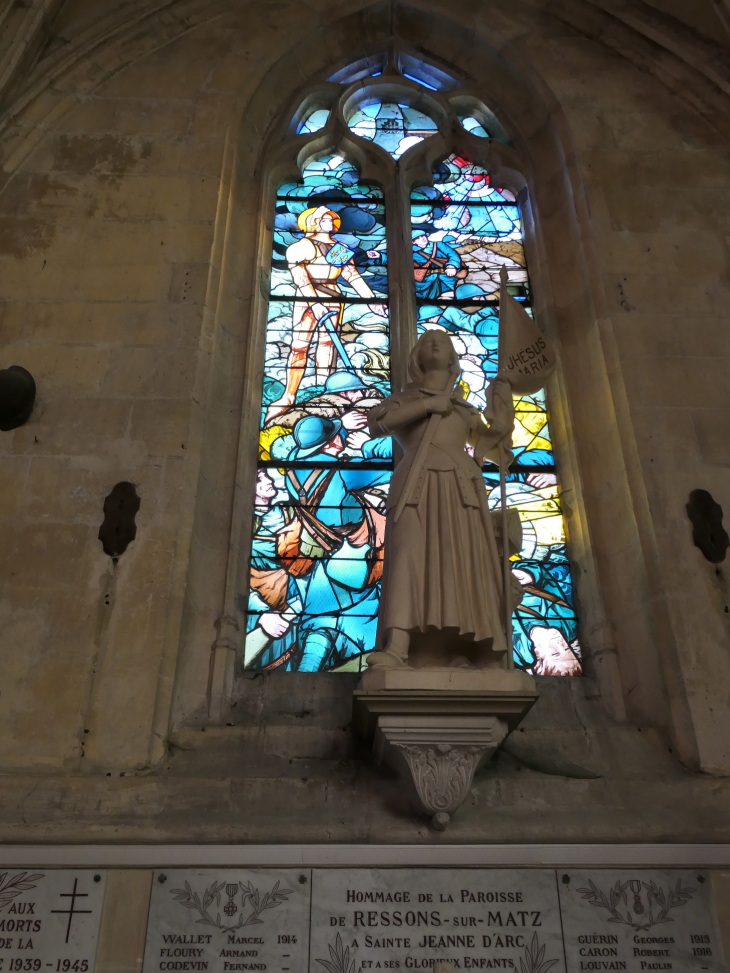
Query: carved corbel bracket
{"x":436,"y":726}
{"x":439,"y":756}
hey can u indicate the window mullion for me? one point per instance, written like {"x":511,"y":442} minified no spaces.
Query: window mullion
{"x":400,"y":275}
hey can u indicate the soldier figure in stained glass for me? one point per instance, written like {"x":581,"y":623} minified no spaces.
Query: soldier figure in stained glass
{"x":316,"y":262}
{"x":345,"y":397}
{"x":475,"y":318}
{"x":553,"y":655}
{"x":336,"y":505}
{"x":546,"y":626}
{"x":341,"y":532}
{"x":436,"y":266}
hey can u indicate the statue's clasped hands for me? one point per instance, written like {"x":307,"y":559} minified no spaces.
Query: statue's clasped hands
{"x":442,"y":404}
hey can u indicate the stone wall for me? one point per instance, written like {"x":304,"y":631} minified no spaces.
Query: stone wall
{"x":129,"y":221}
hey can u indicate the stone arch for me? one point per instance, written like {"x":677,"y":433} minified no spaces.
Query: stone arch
{"x":574,"y":307}
{"x":588,"y":400}
{"x":694,"y":70}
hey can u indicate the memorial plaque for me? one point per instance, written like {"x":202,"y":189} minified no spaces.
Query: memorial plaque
{"x":221,"y":920}
{"x":639,"y":921}
{"x":49,"y":919}
{"x":406,"y":919}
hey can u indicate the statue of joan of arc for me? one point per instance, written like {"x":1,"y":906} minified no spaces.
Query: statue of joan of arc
{"x":442,"y":601}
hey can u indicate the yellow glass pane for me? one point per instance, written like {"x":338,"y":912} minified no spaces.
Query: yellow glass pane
{"x":267,"y":437}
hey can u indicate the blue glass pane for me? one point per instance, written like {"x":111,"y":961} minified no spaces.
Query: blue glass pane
{"x":341,"y":375}
{"x":322,"y":479}
{"x":316,"y":565}
{"x":474,"y":126}
{"x":545,"y":631}
{"x":313,"y":121}
{"x":330,"y":176}
{"x":465,"y":230}
{"x":393,"y":127}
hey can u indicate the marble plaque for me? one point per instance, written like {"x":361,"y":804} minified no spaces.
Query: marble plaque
{"x":407,"y":918}
{"x":49,"y":919}
{"x":220,"y":920}
{"x":639,"y":921}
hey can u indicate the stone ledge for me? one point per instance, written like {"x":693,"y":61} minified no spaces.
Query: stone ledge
{"x":449,"y":680}
{"x":506,"y":694}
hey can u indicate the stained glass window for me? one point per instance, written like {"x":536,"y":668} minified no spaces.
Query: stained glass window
{"x":464,"y":231}
{"x":473,"y":125}
{"x":322,"y":480}
{"x":313,"y":121}
{"x":392,"y":126}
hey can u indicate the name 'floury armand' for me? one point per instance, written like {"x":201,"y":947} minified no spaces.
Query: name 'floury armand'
{"x":333,"y":920}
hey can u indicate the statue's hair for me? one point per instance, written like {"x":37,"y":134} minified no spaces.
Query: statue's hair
{"x":415,"y":371}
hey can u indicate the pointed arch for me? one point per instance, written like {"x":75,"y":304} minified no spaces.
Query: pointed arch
{"x":587,"y":397}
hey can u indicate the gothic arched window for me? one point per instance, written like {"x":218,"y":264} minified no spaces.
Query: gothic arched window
{"x":402,"y":214}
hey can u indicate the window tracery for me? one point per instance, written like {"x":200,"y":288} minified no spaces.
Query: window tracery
{"x":337,"y":313}
{"x":313,"y":121}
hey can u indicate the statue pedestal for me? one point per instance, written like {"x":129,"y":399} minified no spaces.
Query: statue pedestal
{"x":436,"y":726}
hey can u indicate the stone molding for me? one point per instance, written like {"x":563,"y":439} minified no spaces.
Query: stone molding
{"x":23,"y":29}
{"x":365,"y":855}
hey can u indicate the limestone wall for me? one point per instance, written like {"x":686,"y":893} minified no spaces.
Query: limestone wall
{"x":129,"y":217}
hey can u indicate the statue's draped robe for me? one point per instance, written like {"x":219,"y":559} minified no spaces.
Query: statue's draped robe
{"x":442,"y":569}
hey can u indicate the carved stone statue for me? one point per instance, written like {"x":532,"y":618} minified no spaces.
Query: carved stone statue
{"x":441,"y":602}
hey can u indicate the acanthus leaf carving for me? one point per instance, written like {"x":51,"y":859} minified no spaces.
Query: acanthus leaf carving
{"x":442,"y":775}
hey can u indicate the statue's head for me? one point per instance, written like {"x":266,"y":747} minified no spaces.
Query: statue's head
{"x":434,"y":352}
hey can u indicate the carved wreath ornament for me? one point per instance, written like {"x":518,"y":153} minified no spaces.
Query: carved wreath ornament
{"x":191,"y":900}
{"x":534,"y":960}
{"x":339,"y":961}
{"x":666,"y":901}
{"x":12,"y":886}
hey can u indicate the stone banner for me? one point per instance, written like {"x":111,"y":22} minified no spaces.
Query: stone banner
{"x":49,"y":919}
{"x":348,"y":920}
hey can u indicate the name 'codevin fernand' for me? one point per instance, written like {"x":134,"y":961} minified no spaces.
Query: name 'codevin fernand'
{"x":351,"y":920}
